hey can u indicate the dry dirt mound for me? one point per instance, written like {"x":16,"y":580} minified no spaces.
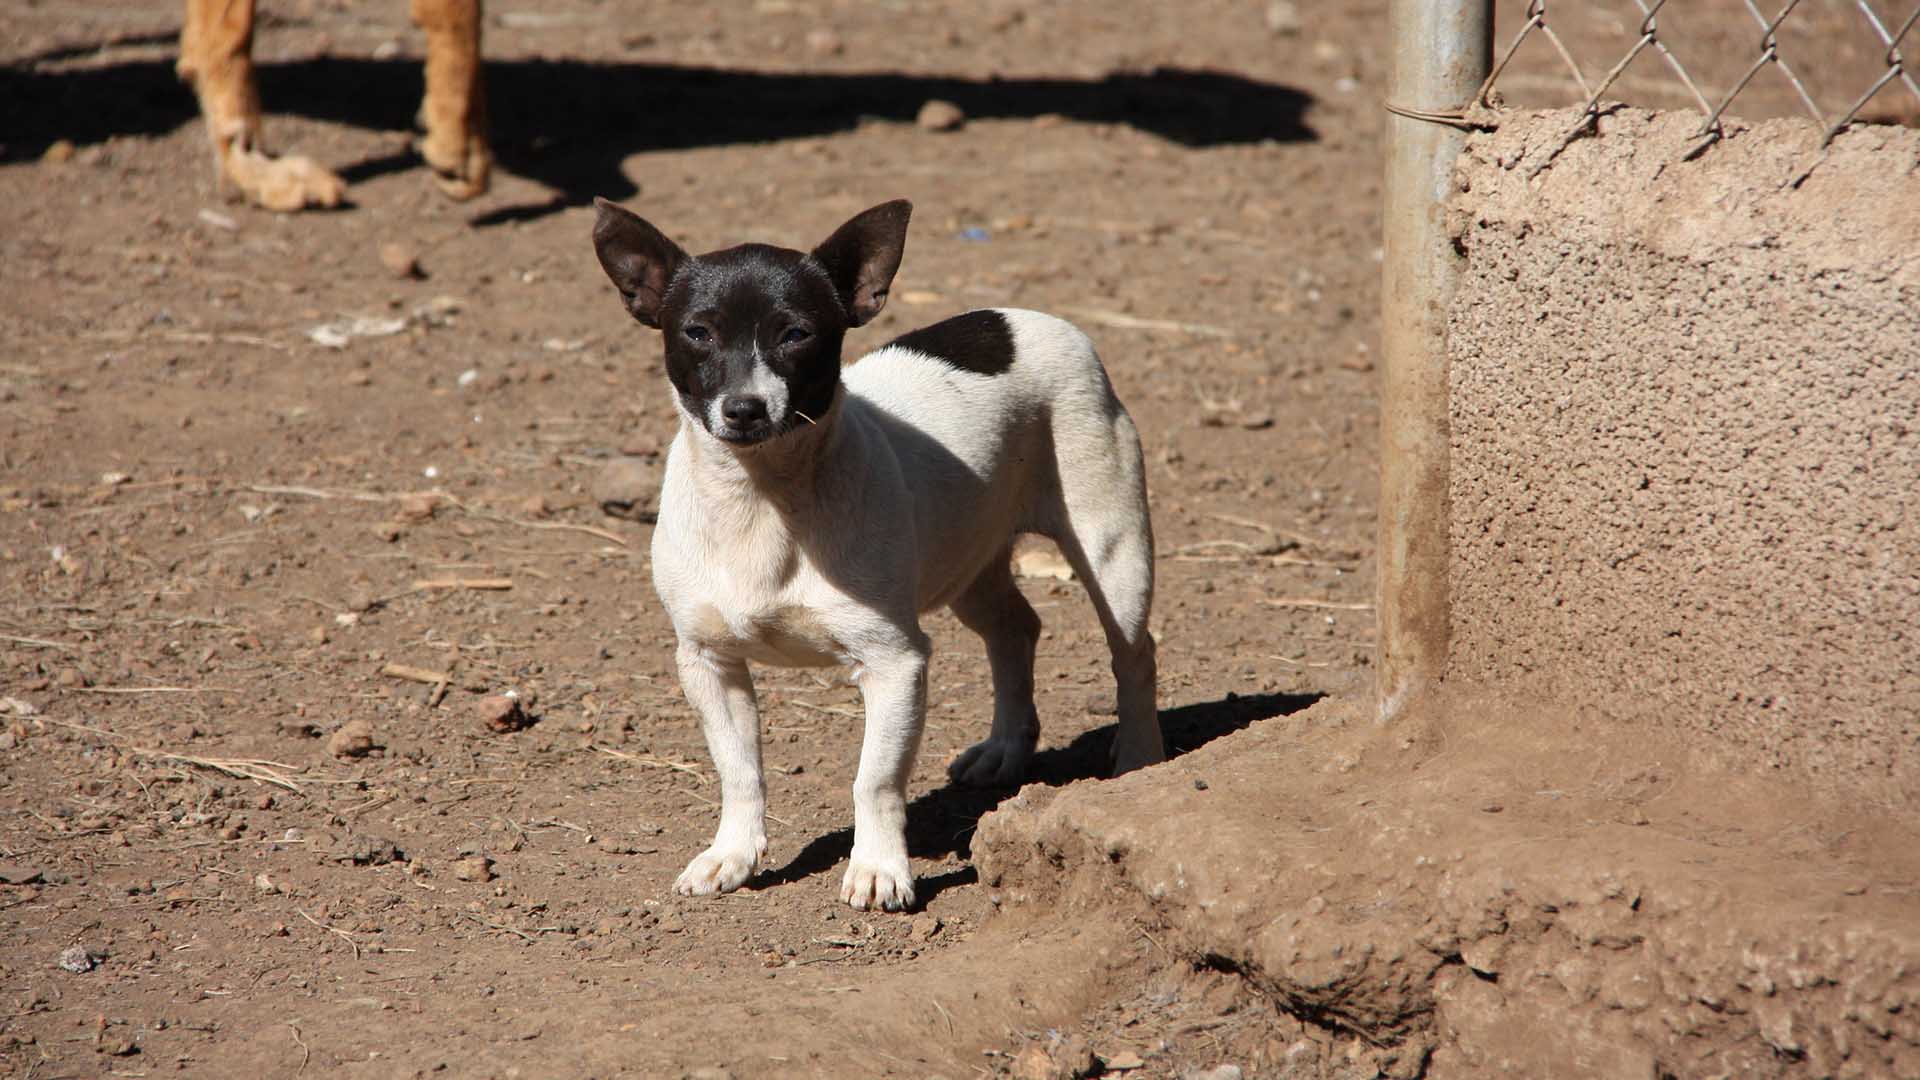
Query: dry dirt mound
{"x":1490,"y":891}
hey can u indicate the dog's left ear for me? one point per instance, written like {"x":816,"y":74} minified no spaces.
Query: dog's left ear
{"x":863,"y":255}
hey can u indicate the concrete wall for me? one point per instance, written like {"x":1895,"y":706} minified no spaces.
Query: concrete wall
{"x":1685,"y":405}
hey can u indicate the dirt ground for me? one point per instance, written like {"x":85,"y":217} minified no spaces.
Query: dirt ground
{"x":245,"y":468}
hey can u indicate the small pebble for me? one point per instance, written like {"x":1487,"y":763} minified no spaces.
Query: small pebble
{"x":824,"y":42}
{"x":1067,"y":1059}
{"x":1033,"y":1063}
{"x":368,"y":851}
{"x":503,"y":713}
{"x":626,"y":487}
{"x":419,"y":506}
{"x":401,"y":260}
{"x":937,"y":115}
{"x":473,"y":868}
{"x":17,"y":874}
{"x":78,"y":959}
{"x":353,"y":739}
{"x":59,"y":152}
{"x":1283,"y":18}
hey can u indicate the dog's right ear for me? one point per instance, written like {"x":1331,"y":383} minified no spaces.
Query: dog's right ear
{"x":637,"y":257}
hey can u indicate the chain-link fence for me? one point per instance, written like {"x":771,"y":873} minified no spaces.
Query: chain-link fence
{"x":1837,"y":62}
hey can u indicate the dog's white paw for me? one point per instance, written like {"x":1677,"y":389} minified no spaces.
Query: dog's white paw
{"x":993,"y":763}
{"x":874,"y":884}
{"x":716,"y":870}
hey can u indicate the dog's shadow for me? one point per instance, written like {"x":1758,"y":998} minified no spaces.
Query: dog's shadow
{"x":941,"y":822}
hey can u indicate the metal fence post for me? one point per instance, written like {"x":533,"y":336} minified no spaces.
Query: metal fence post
{"x":1441,"y":52}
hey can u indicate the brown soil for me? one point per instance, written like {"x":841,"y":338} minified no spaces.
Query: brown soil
{"x":212,"y":527}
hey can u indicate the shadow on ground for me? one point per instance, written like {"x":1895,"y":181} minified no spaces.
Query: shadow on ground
{"x":569,"y":125}
{"x":941,"y":822}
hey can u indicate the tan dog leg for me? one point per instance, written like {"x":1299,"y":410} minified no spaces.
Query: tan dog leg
{"x":455,"y":109}
{"x":216,"y":56}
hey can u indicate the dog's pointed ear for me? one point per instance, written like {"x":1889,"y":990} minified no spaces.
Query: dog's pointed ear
{"x":638,"y":258}
{"x":862,"y":256}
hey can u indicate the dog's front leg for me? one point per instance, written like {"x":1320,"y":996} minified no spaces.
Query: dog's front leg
{"x":722,"y":690}
{"x":894,"y":686}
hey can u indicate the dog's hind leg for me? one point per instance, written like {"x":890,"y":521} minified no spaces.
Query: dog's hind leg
{"x":994,"y":608}
{"x":1107,"y":536}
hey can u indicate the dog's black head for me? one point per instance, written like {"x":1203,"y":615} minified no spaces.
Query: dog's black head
{"x":753,"y":332}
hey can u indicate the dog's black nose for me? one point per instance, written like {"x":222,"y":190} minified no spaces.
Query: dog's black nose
{"x":744,"y":410}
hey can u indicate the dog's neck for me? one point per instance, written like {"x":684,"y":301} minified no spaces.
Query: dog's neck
{"x":783,"y":471}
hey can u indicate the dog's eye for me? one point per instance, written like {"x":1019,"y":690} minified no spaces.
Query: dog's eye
{"x":795,"y":335}
{"x":698,"y":334}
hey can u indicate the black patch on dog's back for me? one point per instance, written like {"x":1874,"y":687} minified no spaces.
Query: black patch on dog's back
{"x":977,"y":341}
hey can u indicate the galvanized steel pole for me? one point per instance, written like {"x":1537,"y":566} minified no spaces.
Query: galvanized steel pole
{"x":1441,"y":52}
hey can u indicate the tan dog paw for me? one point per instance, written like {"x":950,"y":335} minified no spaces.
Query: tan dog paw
{"x":285,"y":184}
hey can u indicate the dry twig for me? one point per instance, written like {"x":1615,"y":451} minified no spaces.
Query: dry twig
{"x":1299,"y":538}
{"x":37,"y":643}
{"x":653,"y":762}
{"x":1310,"y":602}
{"x":333,"y":930}
{"x":565,"y":526}
{"x":153,"y":690}
{"x":416,"y":674}
{"x":498,"y":927}
{"x":261,"y":772}
{"x":831,"y":710}
{"x":305,"y":1052}
{"x":491,"y":584}
{"x":449,"y":500}
{"x":1120,"y":320}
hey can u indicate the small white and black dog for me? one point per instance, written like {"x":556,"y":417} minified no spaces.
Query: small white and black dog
{"x":808,"y":516}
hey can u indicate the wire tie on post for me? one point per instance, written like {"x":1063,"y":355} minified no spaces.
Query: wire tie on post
{"x":1456,"y":118}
